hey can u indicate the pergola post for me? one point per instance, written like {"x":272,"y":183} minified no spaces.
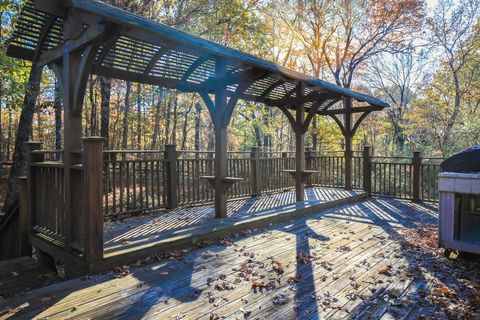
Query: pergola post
{"x":299,"y":145}
{"x":220,"y":114}
{"x":220,"y":169}
{"x":73,"y":67}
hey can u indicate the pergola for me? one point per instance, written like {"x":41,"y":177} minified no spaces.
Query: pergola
{"x":79,"y":37}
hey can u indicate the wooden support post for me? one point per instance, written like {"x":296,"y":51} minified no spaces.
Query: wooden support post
{"x":367,"y":171}
{"x":24,"y":220}
{"x":348,"y":144}
{"x":171,"y":157}
{"x":299,"y":145}
{"x":416,"y":168}
{"x":72,"y":140}
{"x":220,"y":171}
{"x":92,"y":184}
{"x":256,"y":172}
{"x":73,"y":66}
{"x":30,"y":192}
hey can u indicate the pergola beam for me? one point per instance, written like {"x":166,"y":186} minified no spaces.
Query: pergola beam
{"x":353,"y":110}
{"x":92,"y":33}
{"x":151,"y":64}
{"x":197,"y":63}
{"x":52,"y":7}
{"x":293,"y":101}
{"x":234,"y":77}
{"x":146,"y":79}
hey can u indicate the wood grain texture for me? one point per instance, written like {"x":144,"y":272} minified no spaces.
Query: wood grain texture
{"x":347,"y":244}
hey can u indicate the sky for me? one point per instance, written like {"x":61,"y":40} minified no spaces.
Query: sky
{"x":431,"y":3}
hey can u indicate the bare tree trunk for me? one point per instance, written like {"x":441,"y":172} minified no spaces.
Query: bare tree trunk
{"x":167,"y":119}
{"x":58,"y":117}
{"x":139,"y":117}
{"x":24,"y":132}
{"x":314,"y":133}
{"x":93,"y":111}
{"x":39,"y":125}
{"x":266,"y":135}
{"x":156,"y":126}
{"x":455,"y":114}
{"x":211,"y":138}
{"x":198,"y":112}
{"x":126,"y":111}
{"x":10,"y":133}
{"x":105,"y":90}
{"x":258,"y":137}
{"x":175,"y":120}
{"x":1,"y":126}
{"x":185,"y":124}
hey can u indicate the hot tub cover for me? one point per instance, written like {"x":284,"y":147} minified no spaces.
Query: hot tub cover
{"x":465,"y":161}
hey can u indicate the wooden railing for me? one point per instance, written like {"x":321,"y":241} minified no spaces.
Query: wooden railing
{"x":14,"y":232}
{"x":413,"y":178}
{"x":133,"y":181}
{"x":104,"y":184}
{"x":392,"y":177}
{"x":136,"y":181}
{"x":190,"y":167}
{"x":63,"y":209}
{"x":78,"y":229}
{"x":272,"y":177}
{"x":429,"y":170}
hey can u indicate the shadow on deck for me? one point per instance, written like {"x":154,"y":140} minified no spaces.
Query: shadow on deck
{"x":338,"y":277}
{"x":177,"y":228}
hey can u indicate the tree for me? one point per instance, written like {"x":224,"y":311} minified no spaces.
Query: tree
{"x":396,"y":78}
{"x":24,"y":133}
{"x":453,"y":33}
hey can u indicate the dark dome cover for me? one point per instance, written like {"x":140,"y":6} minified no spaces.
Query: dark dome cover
{"x":465,"y":161}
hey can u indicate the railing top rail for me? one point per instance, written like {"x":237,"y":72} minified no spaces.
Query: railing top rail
{"x":133,"y":151}
{"x":46,"y":151}
{"x":316,"y":152}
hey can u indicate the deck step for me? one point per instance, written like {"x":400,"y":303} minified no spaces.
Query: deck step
{"x":23,"y":274}
{"x":181,"y":239}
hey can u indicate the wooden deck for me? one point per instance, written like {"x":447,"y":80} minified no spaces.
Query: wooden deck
{"x":132,"y":233}
{"x":332,"y":264}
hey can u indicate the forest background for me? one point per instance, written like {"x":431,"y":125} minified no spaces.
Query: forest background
{"x":421,"y":57}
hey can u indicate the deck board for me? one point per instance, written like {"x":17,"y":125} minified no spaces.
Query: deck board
{"x":348,"y":245}
{"x":136,"y":231}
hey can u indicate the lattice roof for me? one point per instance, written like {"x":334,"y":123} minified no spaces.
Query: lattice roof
{"x":145,"y":51}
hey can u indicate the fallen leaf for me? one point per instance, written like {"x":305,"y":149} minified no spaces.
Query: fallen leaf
{"x":384,"y":270}
{"x":280,"y":299}
{"x":278,"y":267}
{"x":304,"y":258}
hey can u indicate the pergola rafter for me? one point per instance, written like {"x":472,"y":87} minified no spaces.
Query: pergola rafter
{"x":79,"y":37}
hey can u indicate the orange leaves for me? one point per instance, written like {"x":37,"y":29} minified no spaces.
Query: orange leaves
{"x":295,"y":279}
{"x":259,"y":284}
{"x":385,"y":270}
{"x":302,"y":257}
{"x":441,"y":290}
{"x":277,"y":267}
